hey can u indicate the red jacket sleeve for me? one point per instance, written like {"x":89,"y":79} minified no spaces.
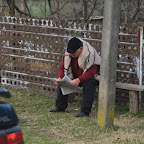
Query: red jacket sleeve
{"x":89,"y":73}
{"x":61,"y":73}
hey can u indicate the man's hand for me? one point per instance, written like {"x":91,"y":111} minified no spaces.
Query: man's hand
{"x":75,"y":82}
{"x":57,"y":84}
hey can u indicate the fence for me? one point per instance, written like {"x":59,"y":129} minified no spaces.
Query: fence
{"x":32,"y":50}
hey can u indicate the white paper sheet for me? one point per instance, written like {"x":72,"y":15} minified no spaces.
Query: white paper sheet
{"x":65,"y":86}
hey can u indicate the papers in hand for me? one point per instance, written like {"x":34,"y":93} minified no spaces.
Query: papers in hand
{"x":65,"y":85}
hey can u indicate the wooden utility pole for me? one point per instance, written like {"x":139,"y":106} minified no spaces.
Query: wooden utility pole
{"x":12,"y":7}
{"x":107,"y":89}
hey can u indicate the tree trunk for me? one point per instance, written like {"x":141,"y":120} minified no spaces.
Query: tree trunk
{"x":85,"y":9}
{"x":12,"y":7}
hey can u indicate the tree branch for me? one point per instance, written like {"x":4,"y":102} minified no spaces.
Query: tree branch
{"x":91,"y":11}
{"x":9,"y":4}
{"x":135,"y":12}
{"x":21,"y":12}
{"x":58,"y":11}
{"x":18,"y":10}
{"x":49,"y":3}
{"x":27,"y":8}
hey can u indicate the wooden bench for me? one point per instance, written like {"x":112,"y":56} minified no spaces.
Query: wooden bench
{"x":133,"y":94}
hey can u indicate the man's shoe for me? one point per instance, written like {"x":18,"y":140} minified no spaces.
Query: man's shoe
{"x":82,"y":114}
{"x":57,"y":109}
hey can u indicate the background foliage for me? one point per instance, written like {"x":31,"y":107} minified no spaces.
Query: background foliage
{"x":131,"y":11}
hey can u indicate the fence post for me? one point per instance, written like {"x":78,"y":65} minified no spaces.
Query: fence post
{"x":139,"y":67}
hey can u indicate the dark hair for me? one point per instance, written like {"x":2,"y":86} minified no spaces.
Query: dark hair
{"x":74,"y":44}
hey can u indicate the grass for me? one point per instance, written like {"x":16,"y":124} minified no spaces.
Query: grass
{"x":39,"y":126}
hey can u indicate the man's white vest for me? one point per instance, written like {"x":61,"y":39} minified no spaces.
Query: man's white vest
{"x":86,"y":59}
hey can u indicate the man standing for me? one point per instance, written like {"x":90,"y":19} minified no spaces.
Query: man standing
{"x":80,"y":63}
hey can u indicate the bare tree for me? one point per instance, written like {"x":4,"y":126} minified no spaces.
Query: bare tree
{"x":2,"y":6}
{"x":92,"y":10}
{"x":17,"y":8}
{"x":85,"y":9}
{"x":130,"y":9}
{"x":80,"y":9}
{"x":74,"y":8}
{"x":50,"y":7}
{"x":27,"y":8}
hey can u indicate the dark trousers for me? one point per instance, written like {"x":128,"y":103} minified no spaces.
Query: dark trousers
{"x":88,"y":96}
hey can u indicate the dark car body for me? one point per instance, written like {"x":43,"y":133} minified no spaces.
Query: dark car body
{"x":10,"y":132}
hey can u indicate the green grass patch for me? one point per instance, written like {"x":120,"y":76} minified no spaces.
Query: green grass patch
{"x":39,"y":126}
{"x":141,"y":126}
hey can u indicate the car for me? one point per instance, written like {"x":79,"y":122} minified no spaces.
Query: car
{"x":10,"y":131}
